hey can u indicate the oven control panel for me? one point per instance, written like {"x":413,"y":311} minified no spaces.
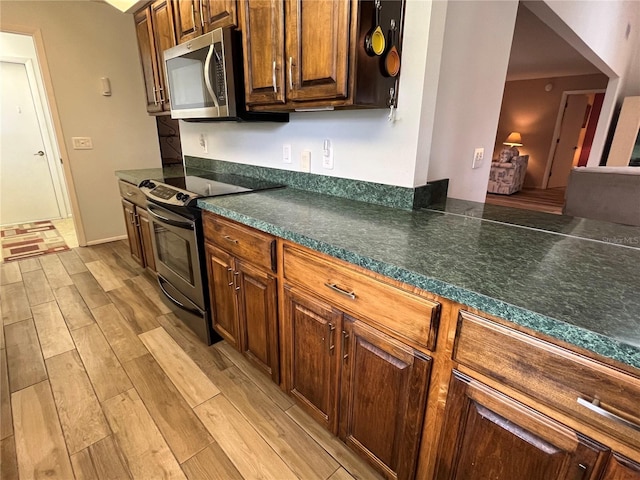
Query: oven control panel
{"x":165,"y":193}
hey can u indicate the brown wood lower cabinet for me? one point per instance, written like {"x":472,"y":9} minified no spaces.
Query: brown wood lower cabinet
{"x":487,"y":435}
{"x":244,"y":308}
{"x":133,"y":233}
{"x":383,"y":394}
{"x":313,"y":367}
{"x":380,"y":383}
{"x":136,"y":220}
{"x":621,"y":468}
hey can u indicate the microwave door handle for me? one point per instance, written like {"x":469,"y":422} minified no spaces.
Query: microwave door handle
{"x":207,"y":78}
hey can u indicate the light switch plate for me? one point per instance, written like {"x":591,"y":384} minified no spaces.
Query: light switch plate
{"x":286,"y":153}
{"x":305,"y":161}
{"x":478,"y":156}
{"x":82,"y":143}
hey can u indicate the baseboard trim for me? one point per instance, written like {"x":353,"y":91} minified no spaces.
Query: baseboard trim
{"x":106,"y":240}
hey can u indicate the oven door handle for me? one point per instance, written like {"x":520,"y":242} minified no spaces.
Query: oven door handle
{"x":168,"y":221}
{"x":176,"y":302}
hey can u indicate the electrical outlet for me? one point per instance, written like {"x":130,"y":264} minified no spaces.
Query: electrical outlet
{"x":204,"y":143}
{"x":305,"y":161}
{"x":327,"y":155}
{"x":478,"y":156}
{"x":286,"y":153}
{"x":82,"y":143}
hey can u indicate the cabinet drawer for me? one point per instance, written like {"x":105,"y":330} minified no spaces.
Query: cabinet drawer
{"x":244,"y":242}
{"x":132,"y":193}
{"x":552,"y":375}
{"x":406,"y":314}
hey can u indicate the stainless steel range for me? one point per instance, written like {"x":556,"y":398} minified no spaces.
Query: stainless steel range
{"x":178,"y":240}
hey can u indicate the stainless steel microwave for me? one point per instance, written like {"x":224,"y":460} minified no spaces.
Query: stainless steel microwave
{"x":206,"y":82}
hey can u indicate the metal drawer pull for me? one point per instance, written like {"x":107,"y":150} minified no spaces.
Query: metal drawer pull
{"x":594,"y":406}
{"x":290,"y":73}
{"x":275,"y":87}
{"x":345,"y":345}
{"x":332,"y":343}
{"x":229,"y":239}
{"x":336,"y":288}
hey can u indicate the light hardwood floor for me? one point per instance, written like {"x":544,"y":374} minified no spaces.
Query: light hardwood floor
{"x":550,"y":200}
{"x":99,"y":380}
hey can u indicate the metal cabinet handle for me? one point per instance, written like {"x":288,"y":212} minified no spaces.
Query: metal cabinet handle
{"x":345,"y":345}
{"x":275,"y":87}
{"x":229,"y":276}
{"x":193,"y":16}
{"x":235,"y":280}
{"x":137,"y":220}
{"x":162,"y":99}
{"x":595,"y":407}
{"x":336,"y":288}
{"x":155,"y":96}
{"x":332,"y":342}
{"x":230,"y":239}
{"x":201,"y":15}
{"x":290,"y":73}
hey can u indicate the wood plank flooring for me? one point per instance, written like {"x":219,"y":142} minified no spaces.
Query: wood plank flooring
{"x":98,"y":380}
{"x":550,"y":200}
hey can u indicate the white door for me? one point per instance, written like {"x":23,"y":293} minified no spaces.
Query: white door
{"x":27,"y":190}
{"x":572,"y":121}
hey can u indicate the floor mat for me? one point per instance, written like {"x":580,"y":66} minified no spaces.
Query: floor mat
{"x":31,"y":239}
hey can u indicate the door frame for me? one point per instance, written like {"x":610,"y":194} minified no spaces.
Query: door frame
{"x":51,"y":150}
{"x":56,"y":135}
{"x":556,"y":130}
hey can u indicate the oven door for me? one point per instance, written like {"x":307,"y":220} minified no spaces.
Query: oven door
{"x":175,"y":248}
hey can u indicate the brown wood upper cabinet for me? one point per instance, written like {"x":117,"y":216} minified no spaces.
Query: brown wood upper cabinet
{"x":195,"y":17}
{"x":311,"y":54}
{"x":155,"y":32}
{"x":295,"y":52}
{"x":243,"y":290}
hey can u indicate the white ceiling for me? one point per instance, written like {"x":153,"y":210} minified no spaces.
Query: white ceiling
{"x":539,"y":52}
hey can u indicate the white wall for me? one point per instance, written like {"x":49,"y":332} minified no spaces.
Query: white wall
{"x":475,"y":55}
{"x":366,"y":146}
{"x":85,"y":41}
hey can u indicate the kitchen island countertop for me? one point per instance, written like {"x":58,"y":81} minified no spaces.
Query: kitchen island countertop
{"x":582,"y":288}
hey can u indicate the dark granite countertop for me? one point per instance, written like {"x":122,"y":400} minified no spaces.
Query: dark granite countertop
{"x":574,"y":280}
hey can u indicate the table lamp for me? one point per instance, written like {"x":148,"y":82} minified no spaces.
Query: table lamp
{"x":509,"y":151}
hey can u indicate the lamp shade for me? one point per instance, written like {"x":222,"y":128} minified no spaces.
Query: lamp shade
{"x":514,"y":140}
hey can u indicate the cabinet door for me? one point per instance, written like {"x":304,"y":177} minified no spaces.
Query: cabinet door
{"x":257,"y":309}
{"x":488,"y":435}
{"x":313,"y":368}
{"x":383,"y":395}
{"x":222,"y":293}
{"x":186,"y":19}
{"x":218,"y":14}
{"x":317,"y":49}
{"x":621,"y":468}
{"x":263,"y":46}
{"x":165,"y":38}
{"x":148,"y":58}
{"x":145,"y":238}
{"x":133,"y":236}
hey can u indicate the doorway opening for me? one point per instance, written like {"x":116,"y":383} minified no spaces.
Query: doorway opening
{"x":34,"y":185}
{"x":553,"y":96}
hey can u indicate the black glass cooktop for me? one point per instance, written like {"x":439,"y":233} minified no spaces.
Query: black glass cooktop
{"x":213,"y":184}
